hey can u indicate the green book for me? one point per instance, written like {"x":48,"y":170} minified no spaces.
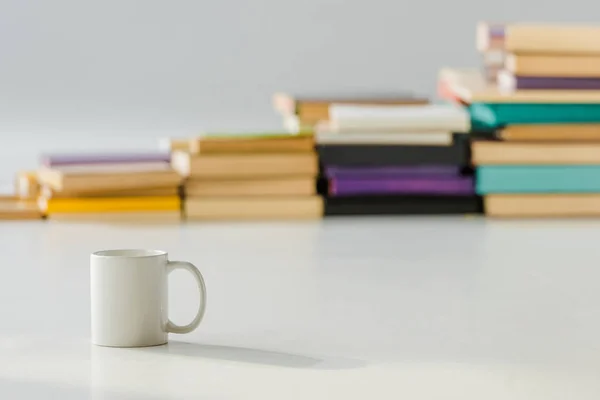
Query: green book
{"x":537,"y":179}
{"x":491,"y":116}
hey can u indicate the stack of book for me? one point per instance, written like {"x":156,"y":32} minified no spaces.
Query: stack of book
{"x":544,"y":113}
{"x":250,"y":177}
{"x":396,"y":160}
{"x":305,"y":112}
{"x":109,"y":187}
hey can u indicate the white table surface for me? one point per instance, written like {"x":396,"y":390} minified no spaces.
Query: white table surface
{"x":367,"y":308}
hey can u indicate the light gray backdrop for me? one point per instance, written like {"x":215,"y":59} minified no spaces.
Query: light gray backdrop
{"x":154,"y":68}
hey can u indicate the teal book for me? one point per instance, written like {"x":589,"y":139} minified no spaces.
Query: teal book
{"x":537,"y":179}
{"x":491,"y":116}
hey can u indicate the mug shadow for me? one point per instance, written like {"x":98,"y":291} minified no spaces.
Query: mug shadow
{"x":253,"y":356}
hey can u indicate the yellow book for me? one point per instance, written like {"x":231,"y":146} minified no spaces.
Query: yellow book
{"x":116,"y":204}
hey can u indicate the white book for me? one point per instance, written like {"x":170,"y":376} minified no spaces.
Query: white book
{"x":430,"y":117}
{"x":390,"y":138}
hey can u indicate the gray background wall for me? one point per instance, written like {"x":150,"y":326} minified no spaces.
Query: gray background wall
{"x":153,"y":67}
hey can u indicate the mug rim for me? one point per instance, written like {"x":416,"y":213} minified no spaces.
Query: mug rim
{"x":129,"y":253}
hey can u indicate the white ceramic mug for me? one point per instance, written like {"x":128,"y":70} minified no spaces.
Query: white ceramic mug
{"x":129,"y":294}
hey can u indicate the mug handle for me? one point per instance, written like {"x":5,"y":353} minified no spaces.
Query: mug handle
{"x":172,"y":266}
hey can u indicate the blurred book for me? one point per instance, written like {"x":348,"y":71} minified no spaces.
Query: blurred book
{"x":402,"y":205}
{"x":542,"y":179}
{"x":469,"y":86}
{"x":109,"y":177}
{"x":116,"y":204}
{"x":268,"y":142}
{"x":432,"y":117}
{"x":385,"y":138}
{"x":219,"y":166}
{"x":54,"y":160}
{"x":542,"y":205}
{"x":313,"y":109}
{"x":552,"y":38}
{"x":551,"y":133}
{"x":121,"y":217}
{"x":500,"y":153}
{"x":557,"y":65}
{"x":254,"y":208}
{"x":285,"y":186}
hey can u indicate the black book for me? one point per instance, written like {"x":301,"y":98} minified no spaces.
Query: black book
{"x":387,"y":155}
{"x":403,"y":205}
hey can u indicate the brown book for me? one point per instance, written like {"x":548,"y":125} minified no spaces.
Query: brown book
{"x":275,"y":143}
{"x":311,"y":110}
{"x":292,"y":186}
{"x":251,"y":166}
{"x":48,"y":193}
{"x":16,"y":209}
{"x":498,"y":153}
{"x":544,"y":65}
{"x":542,"y":205}
{"x":114,"y":177}
{"x":254,"y":208}
{"x":551,"y":133}
{"x":134,"y":217}
{"x":560,"y":39}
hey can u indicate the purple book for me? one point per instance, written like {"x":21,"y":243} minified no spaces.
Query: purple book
{"x":391,"y":172}
{"x":510,"y":82}
{"x":456,"y":186}
{"x":55,"y":160}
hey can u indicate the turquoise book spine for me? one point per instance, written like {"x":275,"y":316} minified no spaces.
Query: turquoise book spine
{"x":537,"y":179}
{"x":491,"y":116}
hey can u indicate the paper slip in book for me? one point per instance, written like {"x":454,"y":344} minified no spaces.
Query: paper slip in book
{"x":433,"y":117}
